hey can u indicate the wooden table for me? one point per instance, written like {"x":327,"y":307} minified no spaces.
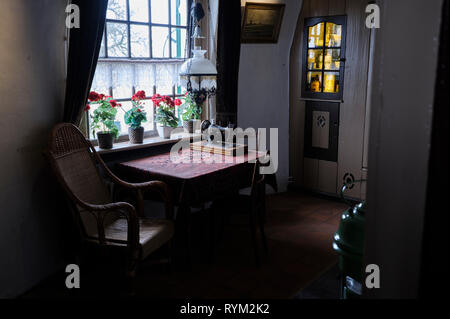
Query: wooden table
{"x":200,"y":178}
{"x":193,"y":177}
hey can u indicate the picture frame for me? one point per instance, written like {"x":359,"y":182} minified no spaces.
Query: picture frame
{"x":262,"y":22}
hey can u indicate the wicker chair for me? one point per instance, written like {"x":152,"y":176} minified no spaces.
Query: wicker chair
{"x":101,"y":221}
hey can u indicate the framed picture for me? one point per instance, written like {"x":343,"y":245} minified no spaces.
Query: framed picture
{"x":262,"y":22}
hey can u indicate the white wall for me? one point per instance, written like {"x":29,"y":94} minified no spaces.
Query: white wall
{"x":263,"y":100}
{"x":401,"y":113}
{"x":31,"y":91}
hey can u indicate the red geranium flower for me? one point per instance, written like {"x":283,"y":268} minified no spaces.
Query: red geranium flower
{"x":139,"y":110}
{"x":113,"y":103}
{"x":94,"y":96}
{"x":140,"y":95}
{"x":178,"y":102}
{"x":156,"y":99}
{"x":87,"y":107}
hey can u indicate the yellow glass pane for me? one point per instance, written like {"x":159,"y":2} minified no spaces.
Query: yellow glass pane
{"x":315,"y":59}
{"x":333,"y":35}
{"x":316,"y":35}
{"x":331,"y":82}
{"x":332,"y":59}
{"x":314,"y":81}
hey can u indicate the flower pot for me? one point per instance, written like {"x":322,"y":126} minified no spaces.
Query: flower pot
{"x":136,"y":135}
{"x":105,"y":140}
{"x":164,"y":131}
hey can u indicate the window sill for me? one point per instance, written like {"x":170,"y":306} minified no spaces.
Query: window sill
{"x":148,"y":142}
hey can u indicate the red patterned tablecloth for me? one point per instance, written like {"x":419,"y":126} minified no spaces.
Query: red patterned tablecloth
{"x":194,"y":177}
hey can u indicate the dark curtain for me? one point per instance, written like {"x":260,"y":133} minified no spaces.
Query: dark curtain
{"x":190,"y":31}
{"x":84,"y":49}
{"x":435,"y":250}
{"x":228,"y":54}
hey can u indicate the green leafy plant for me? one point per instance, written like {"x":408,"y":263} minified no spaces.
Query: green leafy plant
{"x":165,"y":110}
{"x":136,"y":115}
{"x":104,"y":115}
{"x":191,"y":110}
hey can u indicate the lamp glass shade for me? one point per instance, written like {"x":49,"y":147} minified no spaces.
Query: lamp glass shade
{"x":198,"y":65}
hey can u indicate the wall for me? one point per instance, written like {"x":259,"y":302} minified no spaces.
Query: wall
{"x":31,"y":90}
{"x":321,"y":175}
{"x":263,"y":100}
{"x":402,"y":105}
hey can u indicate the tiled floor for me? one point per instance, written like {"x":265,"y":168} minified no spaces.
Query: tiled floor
{"x":299,"y":230}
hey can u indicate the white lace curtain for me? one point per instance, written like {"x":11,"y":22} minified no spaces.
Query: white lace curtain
{"x":121,"y":77}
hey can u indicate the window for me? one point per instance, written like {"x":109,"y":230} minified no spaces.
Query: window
{"x":143,"y":46}
{"x":323,"y":61}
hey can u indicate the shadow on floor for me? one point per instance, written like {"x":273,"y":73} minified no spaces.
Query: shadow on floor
{"x":326,"y":287}
{"x":299,"y":230}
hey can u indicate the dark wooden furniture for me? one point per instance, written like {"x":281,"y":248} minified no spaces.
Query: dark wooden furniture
{"x":100,"y":220}
{"x":324,"y":42}
{"x":322,"y":85}
{"x":251,"y":202}
{"x":194,"y":177}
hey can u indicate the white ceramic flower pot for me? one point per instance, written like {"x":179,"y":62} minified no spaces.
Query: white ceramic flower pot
{"x":164,"y":131}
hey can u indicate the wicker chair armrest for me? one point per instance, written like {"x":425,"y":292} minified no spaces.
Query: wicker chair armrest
{"x":124,"y":208}
{"x":157,"y":186}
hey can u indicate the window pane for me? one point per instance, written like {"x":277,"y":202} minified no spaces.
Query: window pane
{"x":117,"y":9}
{"x":117,"y":39}
{"x":332,"y":59}
{"x":160,"y":42}
{"x":179,"y":12}
{"x":120,"y":121}
{"x":333,"y":37}
{"x":102,"y":53}
{"x":102,"y":79}
{"x":139,"y":10}
{"x":148,"y":107}
{"x":314,"y":81}
{"x":164,"y":89}
{"x":160,"y":11}
{"x":316,"y":35}
{"x":331,"y":82}
{"x":315,"y":59}
{"x":178,"y":42}
{"x":122,"y":80}
{"x":139,"y":41}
